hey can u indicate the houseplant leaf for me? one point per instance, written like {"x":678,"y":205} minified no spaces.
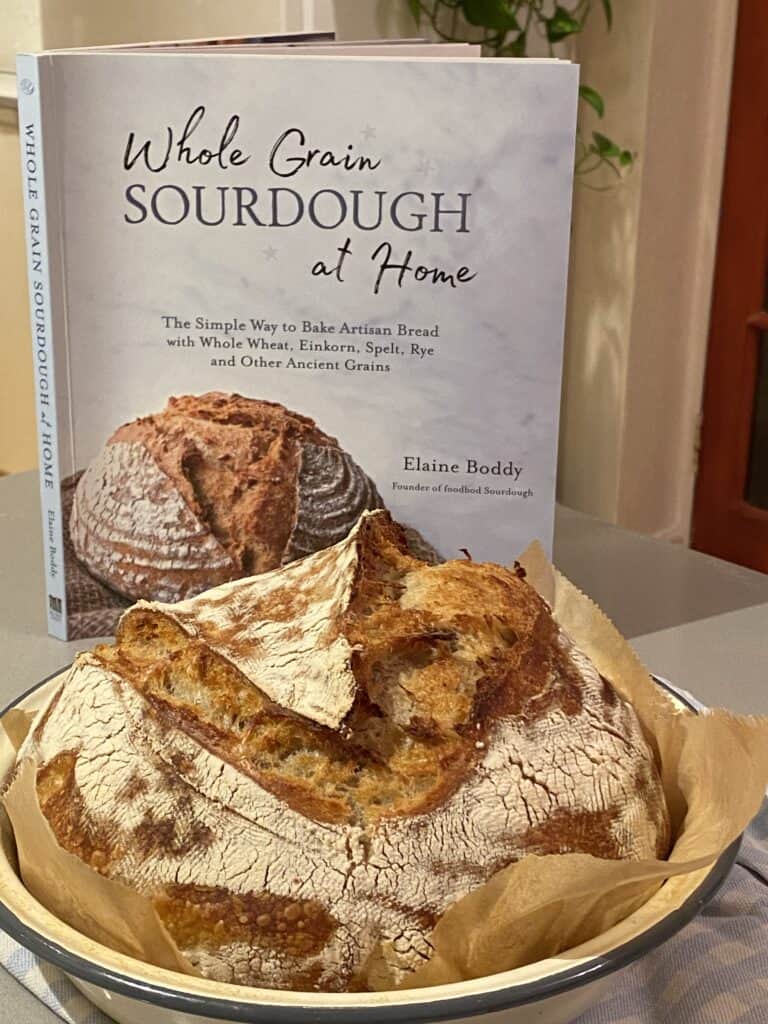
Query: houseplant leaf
{"x":518,"y":47}
{"x":561,"y":25}
{"x":415,"y":8}
{"x":593,"y":98}
{"x":604,"y":146}
{"x":495,"y":14}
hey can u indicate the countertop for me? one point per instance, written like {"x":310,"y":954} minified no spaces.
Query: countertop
{"x":698,"y":621}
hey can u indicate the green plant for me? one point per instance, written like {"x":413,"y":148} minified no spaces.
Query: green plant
{"x":506,"y":28}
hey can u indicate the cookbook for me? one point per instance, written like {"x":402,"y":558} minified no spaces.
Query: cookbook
{"x":275,"y":285}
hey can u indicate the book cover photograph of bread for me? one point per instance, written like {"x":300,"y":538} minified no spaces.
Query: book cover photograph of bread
{"x":272,"y":289}
{"x":212,"y":488}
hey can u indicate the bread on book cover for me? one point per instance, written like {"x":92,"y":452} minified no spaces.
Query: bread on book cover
{"x":309,"y":766}
{"x":214,"y":487}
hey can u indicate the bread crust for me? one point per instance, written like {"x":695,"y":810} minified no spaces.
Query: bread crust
{"x":213,"y":488}
{"x":444,"y":727}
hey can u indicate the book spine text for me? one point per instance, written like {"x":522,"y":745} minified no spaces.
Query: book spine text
{"x":39,"y":272}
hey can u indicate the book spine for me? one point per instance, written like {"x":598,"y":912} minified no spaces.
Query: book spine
{"x":37,"y":214}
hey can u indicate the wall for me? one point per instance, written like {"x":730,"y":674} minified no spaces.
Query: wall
{"x":372,"y":19}
{"x":685,"y":137}
{"x":642,"y":263}
{"x":17,"y":416}
{"x":20,"y":30}
{"x":602,"y":274}
{"x":92,"y":22}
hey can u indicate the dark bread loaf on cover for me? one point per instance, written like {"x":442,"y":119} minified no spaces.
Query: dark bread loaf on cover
{"x":309,"y":766}
{"x":214,"y":487}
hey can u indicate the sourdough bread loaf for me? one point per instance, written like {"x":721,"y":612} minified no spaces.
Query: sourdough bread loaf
{"x":93,"y":608}
{"x":213,"y":488}
{"x":304,"y":769}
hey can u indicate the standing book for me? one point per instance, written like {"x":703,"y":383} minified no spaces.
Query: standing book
{"x":274,"y":286}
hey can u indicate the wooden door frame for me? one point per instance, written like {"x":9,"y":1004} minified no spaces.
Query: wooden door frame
{"x":724,"y":524}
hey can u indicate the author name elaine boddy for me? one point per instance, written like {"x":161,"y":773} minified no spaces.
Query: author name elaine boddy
{"x":501,"y":467}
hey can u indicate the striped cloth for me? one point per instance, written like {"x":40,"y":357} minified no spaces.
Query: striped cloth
{"x":715,"y":971}
{"x":48,"y":983}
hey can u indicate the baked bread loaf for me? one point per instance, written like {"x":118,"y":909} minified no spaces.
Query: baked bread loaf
{"x":306,"y":768}
{"x":213,"y":488}
{"x":93,"y":609}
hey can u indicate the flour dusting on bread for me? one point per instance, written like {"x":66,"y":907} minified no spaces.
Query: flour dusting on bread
{"x":305,"y":767}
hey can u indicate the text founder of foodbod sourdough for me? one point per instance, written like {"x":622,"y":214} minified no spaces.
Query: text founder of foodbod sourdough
{"x":283,"y":206}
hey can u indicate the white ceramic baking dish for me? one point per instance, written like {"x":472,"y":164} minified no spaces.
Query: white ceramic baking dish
{"x":551,"y":991}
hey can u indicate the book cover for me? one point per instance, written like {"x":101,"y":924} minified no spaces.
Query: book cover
{"x":271,"y":291}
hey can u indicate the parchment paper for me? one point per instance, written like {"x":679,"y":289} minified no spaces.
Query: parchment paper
{"x":103,"y":909}
{"x":714,"y":770}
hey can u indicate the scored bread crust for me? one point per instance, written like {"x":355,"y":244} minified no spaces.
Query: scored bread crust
{"x":306,"y":768}
{"x":214,"y":487}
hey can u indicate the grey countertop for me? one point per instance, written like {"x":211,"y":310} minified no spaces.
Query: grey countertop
{"x":700,"y":622}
